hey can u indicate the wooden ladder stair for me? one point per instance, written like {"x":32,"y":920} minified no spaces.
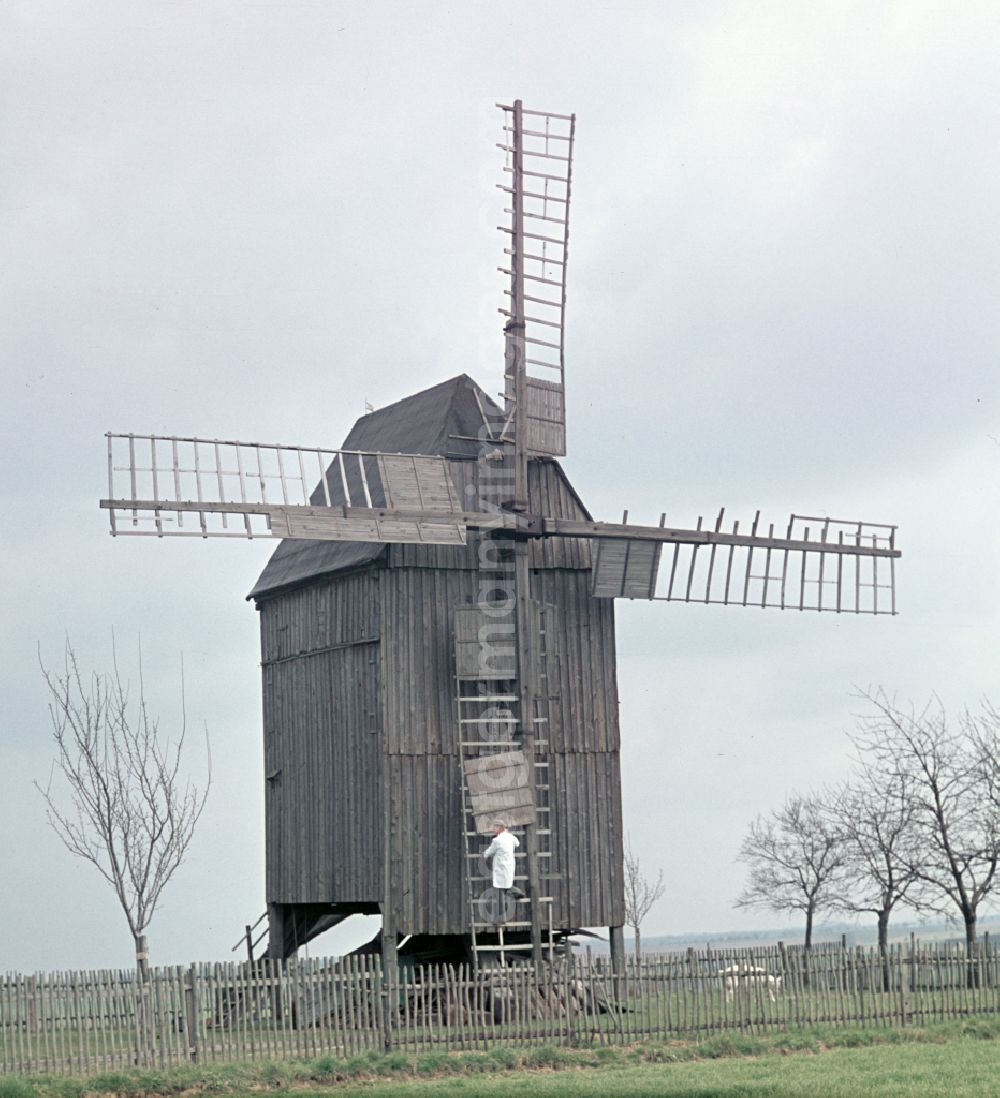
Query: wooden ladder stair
{"x":489,"y":725}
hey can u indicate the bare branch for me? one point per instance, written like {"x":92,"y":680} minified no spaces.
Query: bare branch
{"x":795,"y":859}
{"x":878,"y":824}
{"x":950,"y":772}
{"x":124,"y":805}
{"x":640,"y":893}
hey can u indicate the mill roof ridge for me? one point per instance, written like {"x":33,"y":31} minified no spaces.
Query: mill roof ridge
{"x":443,"y":419}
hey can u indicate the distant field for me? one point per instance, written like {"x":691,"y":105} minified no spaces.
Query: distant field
{"x":856,"y":933}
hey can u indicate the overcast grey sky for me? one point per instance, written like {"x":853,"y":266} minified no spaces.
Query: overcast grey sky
{"x":246,"y":219}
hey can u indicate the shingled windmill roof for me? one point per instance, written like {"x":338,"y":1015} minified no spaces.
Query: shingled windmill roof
{"x":445,"y":419}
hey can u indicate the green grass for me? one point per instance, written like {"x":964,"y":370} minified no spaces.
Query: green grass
{"x":954,"y":1059}
{"x":960,"y":1069}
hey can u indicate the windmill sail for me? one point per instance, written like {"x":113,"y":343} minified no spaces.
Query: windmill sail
{"x":538,"y":170}
{"x":819,"y":564}
{"x":172,"y":486}
{"x":169,"y":486}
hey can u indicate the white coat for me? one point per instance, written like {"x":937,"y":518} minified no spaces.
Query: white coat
{"x":501,"y":850}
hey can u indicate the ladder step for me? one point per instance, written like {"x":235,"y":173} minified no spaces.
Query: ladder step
{"x":519,"y":876}
{"x":523,"y":853}
{"x":501,"y":743}
{"x":527,"y":899}
{"x":517,"y":829}
{"x":538,"y":854}
{"x":464,"y":698}
{"x":499,"y":690}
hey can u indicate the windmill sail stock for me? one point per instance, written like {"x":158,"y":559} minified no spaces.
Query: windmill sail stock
{"x":192,"y":487}
{"x":538,"y":149}
{"x":169,"y":486}
{"x":821,"y":564}
{"x":164,"y":485}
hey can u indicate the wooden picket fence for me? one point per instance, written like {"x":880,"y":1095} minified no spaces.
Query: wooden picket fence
{"x":83,"y":1022}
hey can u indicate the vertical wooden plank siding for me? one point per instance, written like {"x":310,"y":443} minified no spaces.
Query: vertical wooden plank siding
{"x":322,"y":725}
{"x":361,"y":743}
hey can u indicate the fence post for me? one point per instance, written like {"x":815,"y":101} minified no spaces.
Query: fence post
{"x":904,"y":982}
{"x":619,"y":971}
{"x":31,"y":1022}
{"x":191,"y":1013}
{"x":568,"y":967}
{"x":692,"y":973}
{"x":390,"y":997}
{"x":786,"y":983}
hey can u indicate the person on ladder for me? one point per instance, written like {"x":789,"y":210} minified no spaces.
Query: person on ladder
{"x":501,"y":850}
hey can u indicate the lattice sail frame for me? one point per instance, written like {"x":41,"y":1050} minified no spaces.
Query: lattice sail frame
{"x":538,"y":147}
{"x":170,"y":486}
{"x":181,"y":486}
{"x":819,"y":563}
{"x":166,"y":485}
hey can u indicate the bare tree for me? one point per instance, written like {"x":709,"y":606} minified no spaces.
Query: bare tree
{"x":795,"y":859}
{"x":125,"y":806}
{"x":951,"y":771}
{"x":878,"y":824}
{"x":640,"y":894}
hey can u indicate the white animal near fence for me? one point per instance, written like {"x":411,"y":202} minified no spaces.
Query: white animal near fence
{"x":752,"y":975}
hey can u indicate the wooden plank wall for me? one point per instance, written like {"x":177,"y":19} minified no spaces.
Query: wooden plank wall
{"x":549,"y":493}
{"x":360,"y":731}
{"x":423,"y":781}
{"x":307,"y":619}
{"x":425,"y":846}
{"x":417,"y":661}
{"x":323,"y":742}
{"x":584,"y":743}
{"x":420,"y":729}
{"x":588,"y":888}
{"x":584,"y":678}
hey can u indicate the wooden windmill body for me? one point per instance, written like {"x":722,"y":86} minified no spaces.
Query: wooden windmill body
{"x":437,"y":629}
{"x":363,"y":738}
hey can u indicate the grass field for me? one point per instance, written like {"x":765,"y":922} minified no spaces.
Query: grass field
{"x":963,"y":1068}
{"x":956,"y":1059}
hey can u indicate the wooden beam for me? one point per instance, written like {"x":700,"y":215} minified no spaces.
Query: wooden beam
{"x":579,"y":528}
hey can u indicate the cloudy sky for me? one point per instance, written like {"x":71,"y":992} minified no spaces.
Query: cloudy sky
{"x":246,"y":220}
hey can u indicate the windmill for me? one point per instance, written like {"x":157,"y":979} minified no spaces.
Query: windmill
{"x":437,"y":628}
